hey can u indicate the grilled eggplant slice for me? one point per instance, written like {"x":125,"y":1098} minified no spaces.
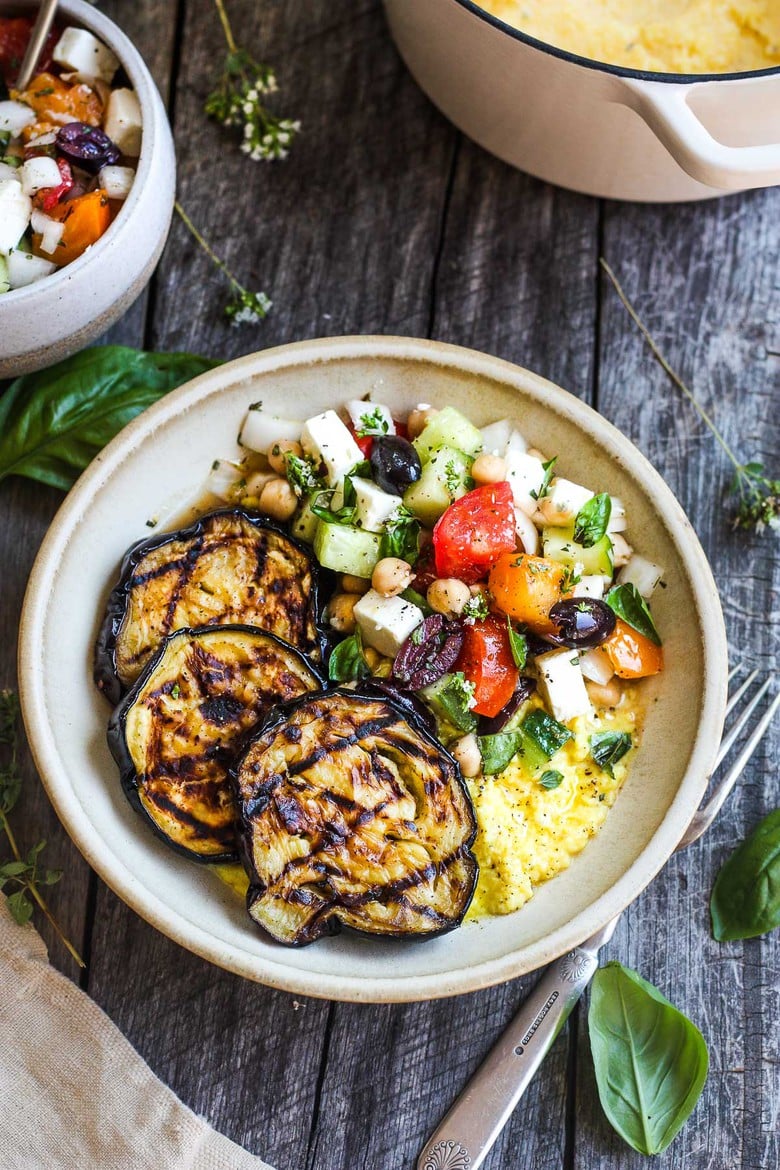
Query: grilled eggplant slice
{"x":179,"y":729}
{"x":352,"y":814}
{"x":231,"y":567}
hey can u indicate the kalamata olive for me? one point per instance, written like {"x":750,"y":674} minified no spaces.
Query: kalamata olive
{"x":428,"y":652}
{"x":524,"y":689}
{"x":582,"y":622}
{"x":413,"y":707}
{"x":394,"y":463}
{"x":88,"y":147}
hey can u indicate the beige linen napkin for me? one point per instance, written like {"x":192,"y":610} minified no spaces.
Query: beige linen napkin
{"x":74,"y":1094}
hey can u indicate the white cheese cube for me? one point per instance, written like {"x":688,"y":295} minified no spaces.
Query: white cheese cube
{"x":563,"y":501}
{"x":495,"y":437}
{"x":621,"y":550}
{"x":15,"y":211}
{"x":373,"y":506}
{"x":50,"y":230}
{"x":372,"y":417}
{"x":9,"y":172}
{"x":15,"y":117}
{"x":327,"y":440}
{"x":123,"y":121}
{"x":515,"y":444}
{"x":596,"y":667}
{"x":386,"y":622}
{"x":23,"y":268}
{"x":83,"y":53}
{"x":592,"y":585}
{"x":39,"y":173}
{"x":260,"y":429}
{"x":525,"y":474}
{"x":562,"y":684}
{"x":116,"y":181}
{"x":617,"y":517}
{"x":527,"y":532}
{"x":644,"y":574}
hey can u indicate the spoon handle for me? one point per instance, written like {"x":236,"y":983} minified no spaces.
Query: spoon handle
{"x":40,"y":31}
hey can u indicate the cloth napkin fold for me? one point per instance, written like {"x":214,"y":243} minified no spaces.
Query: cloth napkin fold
{"x":74,"y":1093}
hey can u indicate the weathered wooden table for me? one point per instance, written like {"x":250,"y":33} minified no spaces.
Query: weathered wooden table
{"x":385,"y":220}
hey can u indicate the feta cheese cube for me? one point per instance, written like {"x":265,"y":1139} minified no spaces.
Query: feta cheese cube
{"x":562,"y":684}
{"x":527,"y":532}
{"x":644,"y":574}
{"x":515,"y":444}
{"x":327,"y":440}
{"x":592,"y":585}
{"x":596,"y":667}
{"x":373,"y":506}
{"x":123,"y":121}
{"x":617,"y":517}
{"x":621,"y":550}
{"x":563,"y":501}
{"x":39,"y":173}
{"x":495,"y":437}
{"x":81,"y":52}
{"x":386,"y":622}
{"x":370,"y":416}
{"x":50,"y":230}
{"x":116,"y":181}
{"x":9,"y":172}
{"x":15,"y":117}
{"x":15,"y":211}
{"x":260,"y":429}
{"x":23,"y":268}
{"x":525,"y":474}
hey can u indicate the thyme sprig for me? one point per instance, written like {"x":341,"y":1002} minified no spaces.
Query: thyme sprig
{"x":238,"y":101}
{"x":23,"y":874}
{"x":244,"y":307}
{"x":757,"y":495}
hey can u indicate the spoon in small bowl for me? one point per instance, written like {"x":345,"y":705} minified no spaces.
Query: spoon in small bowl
{"x":43,"y":23}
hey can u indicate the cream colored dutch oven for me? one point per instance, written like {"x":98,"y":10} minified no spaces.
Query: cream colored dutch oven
{"x":596,"y":128}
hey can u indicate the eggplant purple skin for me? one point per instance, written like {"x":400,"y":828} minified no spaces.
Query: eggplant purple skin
{"x":104,"y":670}
{"x":117,"y":744}
{"x":407,"y":713}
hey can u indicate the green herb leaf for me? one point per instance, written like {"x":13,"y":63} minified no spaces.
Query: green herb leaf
{"x":20,"y":906}
{"x":544,"y":487}
{"x":373,"y":422}
{"x":476,"y":607}
{"x":551,"y":779}
{"x":746,"y":896}
{"x":54,"y":422}
{"x":547,"y":733}
{"x":401,"y":537}
{"x":592,"y":520}
{"x":651,"y":1062}
{"x":499,"y":750}
{"x":343,"y":515}
{"x":518,"y":644}
{"x":629,"y":605}
{"x":451,"y":698}
{"x":301,"y":475}
{"x":607,"y":747}
{"x":347,"y":661}
{"x":417,"y":599}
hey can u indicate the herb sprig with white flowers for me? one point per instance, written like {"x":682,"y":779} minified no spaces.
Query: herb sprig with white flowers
{"x":244,"y":307}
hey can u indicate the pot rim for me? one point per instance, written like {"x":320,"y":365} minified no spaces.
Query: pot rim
{"x":603,"y":66}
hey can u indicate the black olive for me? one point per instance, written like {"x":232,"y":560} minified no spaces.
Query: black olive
{"x":428,"y":652}
{"x":394,"y":463}
{"x":88,"y":147}
{"x":582,"y":622}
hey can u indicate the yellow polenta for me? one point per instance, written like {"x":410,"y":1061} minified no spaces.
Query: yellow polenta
{"x":669,"y":36}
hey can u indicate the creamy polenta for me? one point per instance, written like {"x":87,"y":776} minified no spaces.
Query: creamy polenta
{"x":669,"y":36}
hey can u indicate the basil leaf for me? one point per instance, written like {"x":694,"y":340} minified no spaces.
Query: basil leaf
{"x":418,"y":600}
{"x":551,"y":779}
{"x":347,"y":661}
{"x":547,"y":734}
{"x":592,"y":520}
{"x":54,"y":422}
{"x":607,"y":747}
{"x":401,"y":537}
{"x":343,"y":515}
{"x":544,"y":487}
{"x":518,"y":644}
{"x":629,"y":605}
{"x":499,"y":750}
{"x":746,"y":896}
{"x":651,"y":1062}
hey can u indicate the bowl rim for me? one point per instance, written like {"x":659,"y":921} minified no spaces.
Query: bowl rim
{"x":126,"y":884}
{"x":143,"y":83}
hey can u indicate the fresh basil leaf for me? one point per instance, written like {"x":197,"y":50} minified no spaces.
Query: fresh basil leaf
{"x":546,"y":733}
{"x":518,"y":644}
{"x":499,"y":750}
{"x":54,"y":422}
{"x":401,"y":537}
{"x":551,"y":779}
{"x":342,"y":515}
{"x":362,"y":469}
{"x":651,"y":1062}
{"x":607,"y":747}
{"x":629,"y":605}
{"x":592,"y":520}
{"x":544,"y":487}
{"x":347,"y":661}
{"x":418,"y":600}
{"x":746,"y":896}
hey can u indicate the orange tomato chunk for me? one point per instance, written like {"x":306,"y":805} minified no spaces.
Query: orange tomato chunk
{"x":50,"y":98}
{"x":527,"y":588}
{"x":85,"y":220}
{"x":632,"y":654}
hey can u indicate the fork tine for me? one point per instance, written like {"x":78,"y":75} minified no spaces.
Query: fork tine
{"x":739,"y":692}
{"x":735,"y":671}
{"x":731,"y":736}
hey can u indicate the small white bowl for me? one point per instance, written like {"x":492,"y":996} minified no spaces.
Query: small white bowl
{"x":62,"y":313}
{"x":158,"y":463}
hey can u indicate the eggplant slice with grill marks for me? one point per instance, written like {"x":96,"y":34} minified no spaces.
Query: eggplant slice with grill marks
{"x":178,"y":731}
{"x":229,"y":568}
{"x":352,"y":814}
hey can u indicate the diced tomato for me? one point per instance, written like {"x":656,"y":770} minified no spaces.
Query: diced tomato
{"x":526,"y":588}
{"x":85,"y":219}
{"x":486,"y":660}
{"x":14,"y":35}
{"x":632,"y":654}
{"x":53,"y":100}
{"x":474,"y":531}
{"x":401,"y":429}
{"x":49,"y":197}
{"x":364,"y":442}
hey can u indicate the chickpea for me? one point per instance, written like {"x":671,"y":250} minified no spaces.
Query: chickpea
{"x":278,"y":500}
{"x":255,"y":482}
{"x":448,"y":595}
{"x":606,"y":694}
{"x":277,"y":451}
{"x":418,"y":419}
{"x":341,"y":612}
{"x":352,"y":584}
{"x":391,"y":576}
{"x":488,"y":469}
{"x":468,"y":756}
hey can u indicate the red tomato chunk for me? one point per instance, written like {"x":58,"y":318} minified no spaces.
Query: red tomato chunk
{"x":486,"y":660}
{"x":473,"y":531}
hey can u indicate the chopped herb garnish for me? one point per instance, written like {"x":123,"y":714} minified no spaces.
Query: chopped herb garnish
{"x":570,"y":578}
{"x":544,"y":487}
{"x":518,"y":644}
{"x":476,"y":607}
{"x":372,"y":423}
{"x":175,"y":691}
{"x":452,"y":479}
{"x":401,"y":537}
{"x":551,"y":779}
{"x":301,"y":474}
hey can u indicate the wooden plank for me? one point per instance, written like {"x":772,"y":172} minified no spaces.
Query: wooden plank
{"x":704,"y":280}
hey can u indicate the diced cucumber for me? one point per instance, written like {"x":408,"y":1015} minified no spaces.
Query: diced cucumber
{"x":346,"y":549}
{"x":448,"y":699}
{"x":304,"y":525}
{"x":444,"y":478}
{"x":559,"y":545}
{"x":448,"y":428}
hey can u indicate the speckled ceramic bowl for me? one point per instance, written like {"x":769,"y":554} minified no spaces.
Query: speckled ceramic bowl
{"x":46,"y":321}
{"x":158,"y":463}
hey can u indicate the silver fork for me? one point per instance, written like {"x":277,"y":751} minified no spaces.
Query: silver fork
{"x":468,"y":1132}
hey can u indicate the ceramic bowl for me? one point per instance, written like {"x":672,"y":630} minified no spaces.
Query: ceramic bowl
{"x":158,"y":464}
{"x":54,"y":317}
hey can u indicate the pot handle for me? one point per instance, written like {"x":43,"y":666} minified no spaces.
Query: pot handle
{"x":666,"y":110}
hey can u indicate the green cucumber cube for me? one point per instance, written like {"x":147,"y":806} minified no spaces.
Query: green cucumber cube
{"x":446,"y":477}
{"x":304,"y":524}
{"x":448,"y":428}
{"x":346,"y":549}
{"x":559,"y":545}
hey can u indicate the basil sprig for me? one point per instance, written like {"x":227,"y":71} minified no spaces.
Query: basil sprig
{"x":746,"y":896}
{"x":401,"y":537}
{"x":592,"y":520}
{"x":518,"y":644}
{"x":608,"y":747}
{"x":629,"y":605}
{"x":347,"y":661}
{"x":651,"y":1062}
{"x":544,"y":486}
